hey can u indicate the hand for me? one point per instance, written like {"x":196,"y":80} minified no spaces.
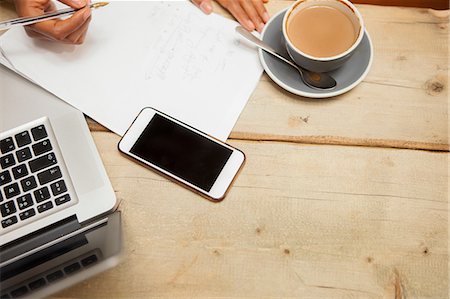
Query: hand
{"x":71,"y":31}
{"x":250,"y":13}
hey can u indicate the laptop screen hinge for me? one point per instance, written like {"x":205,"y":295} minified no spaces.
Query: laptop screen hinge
{"x":39,"y":238}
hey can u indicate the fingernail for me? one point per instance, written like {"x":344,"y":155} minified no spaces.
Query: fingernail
{"x":260,"y":27}
{"x":80,"y":3}
{"x":206,"y":7}
{"x":250,"y":25}
{"x":266,"y":17}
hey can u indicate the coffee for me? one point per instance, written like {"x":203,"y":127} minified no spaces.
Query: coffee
{"x":321,"y":31}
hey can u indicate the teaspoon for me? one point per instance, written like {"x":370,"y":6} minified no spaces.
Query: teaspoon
{"x":312,"y":79}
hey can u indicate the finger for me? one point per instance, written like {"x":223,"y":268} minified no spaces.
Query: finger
{"x":253,"y":14}
{"x":204,"y":5}
{"x":37,"y":33}
{"x":34,"y":34}
{"x":47,"y":6}
{"x":60,"y":29}
{"x":261,"y":9}
{"x":238,"y":12}
{"x":50,"y":6}
{"x":265,"y":1}
{"x":74,"y":37}
{"x":75,"y":3}
{"x":41,"y":36}
{"x":25,"y":9}
{"x":82,"y":38}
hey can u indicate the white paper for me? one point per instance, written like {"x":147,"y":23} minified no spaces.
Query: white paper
{"x":167,"y":55}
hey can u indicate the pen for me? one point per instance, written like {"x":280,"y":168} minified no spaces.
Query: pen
{"x":48,"y":16}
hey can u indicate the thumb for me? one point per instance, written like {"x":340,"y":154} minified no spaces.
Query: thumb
{"x":204,"y":5}
{"x":75,"y":3}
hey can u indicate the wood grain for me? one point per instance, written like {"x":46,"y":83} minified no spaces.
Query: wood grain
{"x":402,"y":103}
{"x":309,"y":221}
{"x":301,"y":221}
{"x":6,"y":11}
{"x":436,"y":4}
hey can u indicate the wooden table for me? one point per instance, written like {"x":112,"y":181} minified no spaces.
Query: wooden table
{"x":340,"y":198}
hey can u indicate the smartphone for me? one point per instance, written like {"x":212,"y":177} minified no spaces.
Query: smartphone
{"x":184,"y":154}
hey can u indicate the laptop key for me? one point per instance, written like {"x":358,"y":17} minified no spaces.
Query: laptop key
{"x":45,"y":207}
{"x":19,"y":171}
{"x":9,"y":221}
{"x":28,"y":184}
{"x":58,"y":187}
{"x":34,"y":182}
{"x":72,"y":268}
{"x":23,"y":154}
{"x":11,"y":190}
{"x":24,"y":201}
{"x":7,"y":145}
{"x":19,"y":292}
{"x":89,"y":260}
{"x":42,"y":162}
{"x":7,"y":161}
{"x":5,"y":177}
{"x":27,"y":214}
{"x":39,"y":132}
{"x":42,"y":147}
{"x":23,"y":138}
{"x":7,"y":208}
{"x":41,"y":194}
{"x":49,"y":175}
{"x":39,"y":283}
{"x":63,"y":199}
{"x":55,"y":276}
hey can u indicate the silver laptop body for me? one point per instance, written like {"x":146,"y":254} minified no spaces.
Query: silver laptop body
{"x":80,"y":235}
{"x":21,"y":102}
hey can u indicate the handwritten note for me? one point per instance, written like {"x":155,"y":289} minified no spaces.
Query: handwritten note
{"x":205,"y":46}
{"x":167,"y":55}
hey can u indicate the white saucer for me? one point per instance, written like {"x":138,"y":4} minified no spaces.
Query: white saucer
{"x":347,"y":76}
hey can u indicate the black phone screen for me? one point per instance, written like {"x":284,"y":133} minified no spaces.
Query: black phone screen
{"x":182,"y":152}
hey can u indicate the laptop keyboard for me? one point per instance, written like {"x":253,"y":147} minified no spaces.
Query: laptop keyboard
{"x":34,"y":181}
{"x":53,"y":275}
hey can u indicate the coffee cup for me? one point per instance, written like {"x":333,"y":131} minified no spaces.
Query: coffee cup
{"x":321,"y":35}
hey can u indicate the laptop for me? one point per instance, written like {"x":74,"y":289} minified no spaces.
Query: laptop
{"x":57,"y":205}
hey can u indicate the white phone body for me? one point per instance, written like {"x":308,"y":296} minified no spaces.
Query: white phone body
{"x":147,"y":142}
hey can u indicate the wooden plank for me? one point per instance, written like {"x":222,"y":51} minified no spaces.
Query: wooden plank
{"x":436,"y":4}
{"x":402,"y":103}
{"x":301,"y":221}
{"x":6,"y":11}
{"x":95,"y":126}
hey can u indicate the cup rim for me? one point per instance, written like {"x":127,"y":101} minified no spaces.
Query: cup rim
{"x":330,"y":58}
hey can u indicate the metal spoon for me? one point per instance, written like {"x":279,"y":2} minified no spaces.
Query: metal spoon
{"x":312,"y":79}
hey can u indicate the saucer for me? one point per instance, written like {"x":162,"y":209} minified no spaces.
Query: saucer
{"x":347,"y":76}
